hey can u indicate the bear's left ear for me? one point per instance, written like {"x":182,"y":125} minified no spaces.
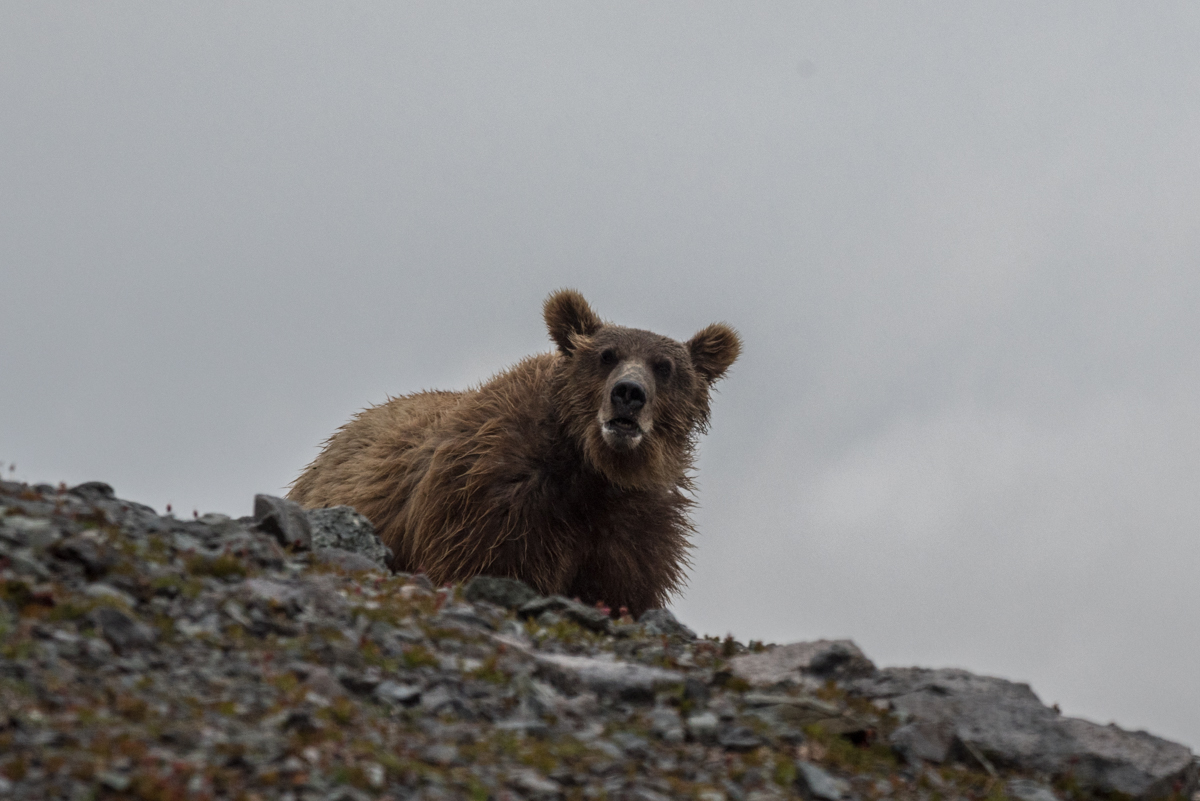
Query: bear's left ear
{"x":713,"y":349}
{"x":568,"y":316}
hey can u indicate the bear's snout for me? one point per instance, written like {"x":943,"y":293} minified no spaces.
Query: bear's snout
{"x":627,"y":397}
{"x":625,"y":418}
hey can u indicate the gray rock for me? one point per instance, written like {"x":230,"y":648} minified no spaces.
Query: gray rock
{"x":1131,"y":762}
{"x":923,"y":740}
{"x":1029,"y":790}
{"x":316,"y":593}
{"x":363,"y":682}
{"x":524,"y":726}
{"x":666,"y":724}
{"x":93,"y":491}
{"x":957,"y":715}
{"x":819,"y":708}
{"x":437,"y":699}
{"x":117,"y":782}
{"x":24,"y":562}
{"x":110,"y":593}
{"x":640,"y":793}
{"x":631,"y":744}
{"x":659,"y":622}
{"x":346,"y":560}
{"x":703,"y":727}
{"x":222,"y":525}
{"x":122,"y":632}
{"x":284,"y":519}
{"x":534,"y":784}
{"x":443,"y":754}
{"x":541,"y":698}
{"x":587,"y":616}
{"x":392,"y":692}
{"x":815,"y":783}
{"x":32,"y":532}
{"x":343,"y":527}
{"x":347,"y":794}
{"x":507,"y":592}
{"x":462,"y":615}
{"x":605,"y":676}
{"x":94,"y":556}
{"x":821,"y":660}
{"x":738,"y":738}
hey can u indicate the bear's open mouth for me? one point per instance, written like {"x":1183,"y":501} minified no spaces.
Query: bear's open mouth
{"x":621,"y":433}
{"x":623,"y":425}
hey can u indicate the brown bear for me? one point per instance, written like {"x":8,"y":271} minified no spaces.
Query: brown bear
{"x":569,"y":471}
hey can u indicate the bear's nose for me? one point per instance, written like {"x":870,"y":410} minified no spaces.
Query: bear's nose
{"x":628,"y":396}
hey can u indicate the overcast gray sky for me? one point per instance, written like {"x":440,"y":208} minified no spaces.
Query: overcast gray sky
{"x":961,"y":243}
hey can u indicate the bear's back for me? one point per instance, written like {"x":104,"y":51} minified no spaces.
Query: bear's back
{"x":377,"y":440}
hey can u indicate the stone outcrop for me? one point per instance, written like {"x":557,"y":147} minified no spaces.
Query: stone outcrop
{"x":275,"y":656}
{"x":956,"y":715}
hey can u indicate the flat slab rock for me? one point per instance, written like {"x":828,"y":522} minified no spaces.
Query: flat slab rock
{"x":956,"y":715}
{"x":794,"y":663}
{"x":605,"y":676}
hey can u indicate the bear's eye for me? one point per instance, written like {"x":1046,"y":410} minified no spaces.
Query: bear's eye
{"x":608,"y":356}
{"x":662,"y":370}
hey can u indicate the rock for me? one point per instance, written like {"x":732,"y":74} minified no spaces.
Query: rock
{"x":292,"y":597}
{"x":319,"y":679}
{"x":443,"y":754}
{"x":534,"y":784}
{"x":817,"y":708}
{"x":524,"y":726}
{"x":587,"y":616}
{"x":343,"y":527}
{"x":222,"y":525}
{"x":956,"y":715}
{"x":110,"y":593}
{"x":287,"y":680}
{"x":738,"y":738}
{"x":24,"y":562}
{"x":1029,"y":790}
{"x":462,"y":615}
{"x":95,"y":557}
{"x":93,"y":490}
{"x":1135,"y":763}
{"x":666,"y":724}
{"x":657,"y":622}
{"x":631,"y":744}
{"x":923,"y":740}
{"x":122,"y":632}
{"x":284,"y":519}
{"x":343,"y":559}
{"x":787,"y":715}
{"x":437,"y":699}
{"x":347,"y":794}
{"x":605,"y":676}
{"x":32,"y":532}
{"x":506,"y":592}
{"x":111,"y":780}
{"x":703,"y":727}
{"x":815,"y":783}
{"x":821,"y":660}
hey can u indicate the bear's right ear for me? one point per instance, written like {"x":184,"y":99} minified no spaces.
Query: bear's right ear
{"x":568,"y":316}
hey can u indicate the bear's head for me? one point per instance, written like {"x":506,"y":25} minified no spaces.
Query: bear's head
{"x":634,"y":400}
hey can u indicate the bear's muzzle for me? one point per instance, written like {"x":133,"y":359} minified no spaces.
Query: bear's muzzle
{"x":625,"y":417}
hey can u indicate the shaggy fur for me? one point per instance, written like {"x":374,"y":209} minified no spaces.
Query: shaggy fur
{"x":569,"y":471}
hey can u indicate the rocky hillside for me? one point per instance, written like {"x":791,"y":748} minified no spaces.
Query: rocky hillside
{"x":273,"y":657}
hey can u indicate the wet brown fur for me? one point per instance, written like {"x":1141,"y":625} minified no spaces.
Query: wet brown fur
{"x":515,"y":478}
